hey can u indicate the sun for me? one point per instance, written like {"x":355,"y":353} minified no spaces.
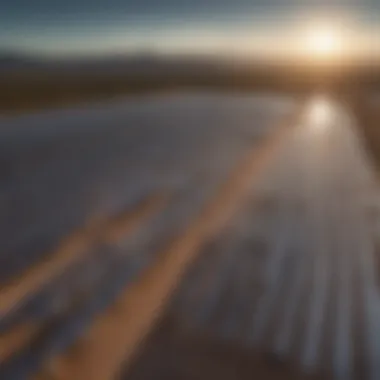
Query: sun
{"x":323,"y":42}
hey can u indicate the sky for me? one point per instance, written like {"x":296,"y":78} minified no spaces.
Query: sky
{"x":80,"y":27}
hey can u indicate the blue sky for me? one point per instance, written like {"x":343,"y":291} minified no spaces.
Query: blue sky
{"x":103,"y":26}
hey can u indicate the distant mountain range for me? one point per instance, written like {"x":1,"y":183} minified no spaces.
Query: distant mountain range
{"x":153,"y":68}
{"x":11,"y":60}
{"x":112,"y":65}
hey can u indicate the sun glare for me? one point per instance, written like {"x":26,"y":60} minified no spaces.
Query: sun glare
{"x":323,"y":43}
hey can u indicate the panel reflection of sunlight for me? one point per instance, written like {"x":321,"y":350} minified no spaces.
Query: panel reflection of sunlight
{"x":320,"y":113}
